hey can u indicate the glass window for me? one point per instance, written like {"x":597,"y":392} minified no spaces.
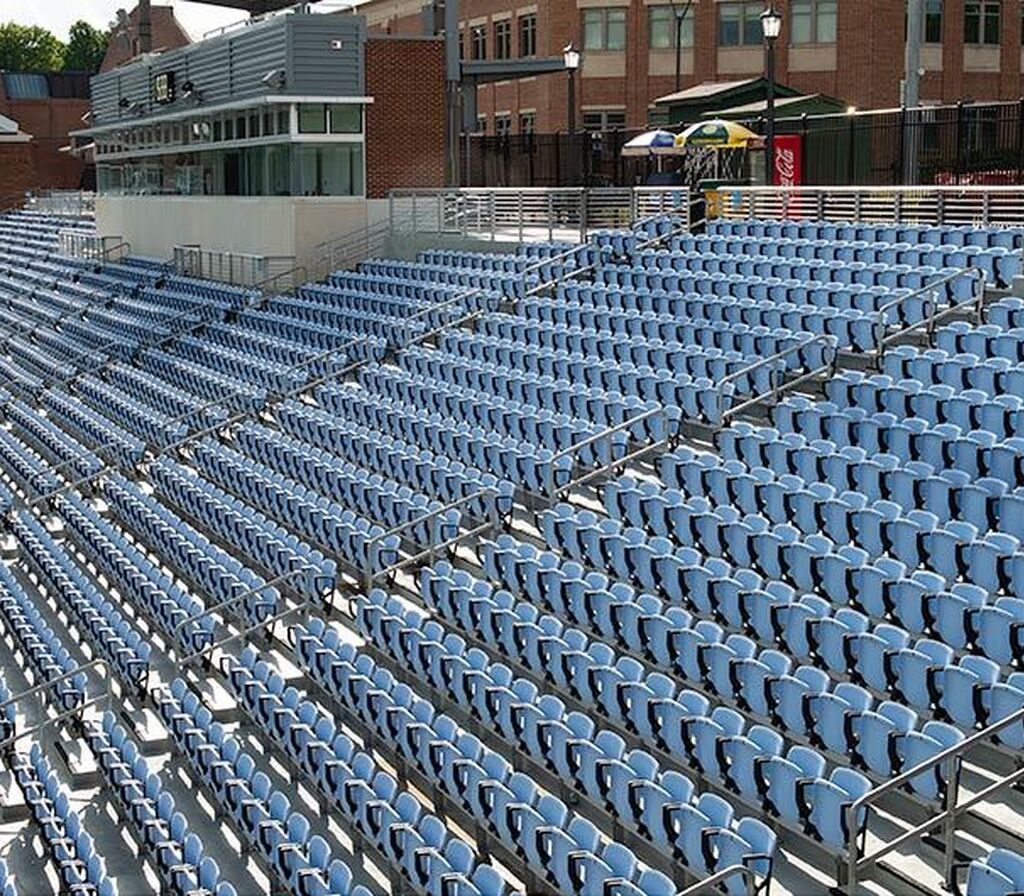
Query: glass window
{"x":813,"y":22}
{"x":268,"y":123}
{"x":604,"y":120}
{"x":312,"y":118}
{"x":503,"y":39}
{"x":481,"y":124}
{"x":284,"y":120}
{"x":739,"y":24}
{"x":666,"y":24}
{"x":240,"y":128}
{"x":933,"y":21}
{"x":981,"y":22}
{"x":528,"y":35}
{"x":604,"y":29}
{"x":502,"y":125}
{"x":254,"y":125}
{"x":479,"y":41}
{"x":527,"y":122}
{"x":229,"y":129}
{"x":347,"y":119}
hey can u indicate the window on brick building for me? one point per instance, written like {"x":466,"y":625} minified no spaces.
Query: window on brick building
{"x":478,"y":36}
{"x":503,"y":39}
{"x":462,"y":46}
{"x":481,"y":124}
{"x":933,"y":21}
{"x":739,"y":24}
{"x":527,"y":123}
{"x":604,"y":29}
{"x":528,"y":35}
{"x":596,"y":120}
{"x":981,"y":21}
{"x":503,"y":124}
{"x":663,"y":28}
{"x":813,"y":22}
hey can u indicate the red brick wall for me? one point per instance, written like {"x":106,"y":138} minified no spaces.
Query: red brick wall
{"x":49,"y":122}
{"x":17,"y":172}
{"x":869,"y":56}
{"x":405,"y":124}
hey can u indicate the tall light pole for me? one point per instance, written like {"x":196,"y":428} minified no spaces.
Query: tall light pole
{"x":680,"y":15}
{"x":571,"y":57}
{"x":771,"y":25}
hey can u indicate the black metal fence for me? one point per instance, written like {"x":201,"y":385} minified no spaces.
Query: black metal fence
{"x":977,"y":143}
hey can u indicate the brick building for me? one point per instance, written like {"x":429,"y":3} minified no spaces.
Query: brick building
{"x":850,"y":49}
{"x":47,"y":107}
{"x":167,"y":33}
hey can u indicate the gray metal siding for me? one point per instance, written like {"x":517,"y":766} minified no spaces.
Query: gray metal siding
{"x":232,"y":66}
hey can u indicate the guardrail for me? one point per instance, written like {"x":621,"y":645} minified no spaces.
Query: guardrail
{"x":712,"y":884}
{"x":533,"y":213}
{"x":91,"y":246}
{"x":780,"y":385}
{"x":492,"y":520}
{"x":858,"y":860}
{"x":236,"y":268}
{"x":68,"y":203}
{"x":988,"y":206}
{"x":933,"y":313}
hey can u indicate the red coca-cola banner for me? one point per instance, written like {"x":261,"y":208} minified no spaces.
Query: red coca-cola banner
{"x":789,"y":161}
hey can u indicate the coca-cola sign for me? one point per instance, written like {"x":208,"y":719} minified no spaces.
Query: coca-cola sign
{"x":788,"y":168}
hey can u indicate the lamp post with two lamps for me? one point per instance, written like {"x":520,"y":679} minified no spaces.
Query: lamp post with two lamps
{"x":771,"y":26}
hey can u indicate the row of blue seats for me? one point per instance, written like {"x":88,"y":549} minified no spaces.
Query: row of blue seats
{"x":679,"y":724}
{"x":895,"y":232}
{"x":140,"y":418}
{"x":702,"y":320}
{"x":351,"y":529}
{"x":962,"y":371}
{"x":1007,"y":312}
{"x":247,"y":366}
{"x":95,"y":428}
{"x":362,"y":490}
{"x":563,"y":404}
{"x":864,"y":447}
{"x":327,"y":303}
{"x":414,"y":842}
{"x":136,"y":577}
{"x":556,"y":845}
{"x":50,"y":438}
{"x":970,"y":692}
{"x":485,"y":413}
{"x":517,"y":460}
{"x":112,"y":634}
{"x":211,"y":569}
{"x":235,"y":523}
{"x":631,"y":787}
{"x":651,"y":268}
{"x":81,"y":869}
{"x":40,"y":363}
{"x":449,"y":481}
{"x":999,"y":264}
{"x":512,"y":285}
{"x":496,"y":262}
{"x":156,"y":392}
{"x":391,"y":327}
{"x":204,"y":381}
{"x":261,"y":815}
{"x":40,"y":647}
{"x":20,"y":378}
{"x":166,"y":304}
{"x":765,"y":474}
{"x":712,"y":350}
{"x":288,"y":352}
{"x":430,"y":293}
{"x":989,"y":341}
{"x":211,"y":290}
{"x":319,"y":336}
{"x":148,"y":811}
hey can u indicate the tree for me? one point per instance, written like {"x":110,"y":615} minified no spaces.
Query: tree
{"x":86,"y":48}
{"x":25,"y":48}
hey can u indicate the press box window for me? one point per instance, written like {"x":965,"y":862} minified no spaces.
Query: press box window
{"x":346,"y":119}
{"x":312,"y":119}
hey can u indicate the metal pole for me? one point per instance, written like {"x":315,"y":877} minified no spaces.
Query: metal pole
{"x":570,"y":119}
{"x":769,"y":140}
{"x":911,"y":82}
{"x":679,"y":50}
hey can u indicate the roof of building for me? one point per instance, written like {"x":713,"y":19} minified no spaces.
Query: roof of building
{"x":704,"y":90}
{"x":22,"y":86}
{"x":817,"y":101}
{"x":168,"y":34}
{"x":10,"y":132}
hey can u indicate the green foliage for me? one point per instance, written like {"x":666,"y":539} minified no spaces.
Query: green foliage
{"x":29,"y":48}
{"x":86,"y":48}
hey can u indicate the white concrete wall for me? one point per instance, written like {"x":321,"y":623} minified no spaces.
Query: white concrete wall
{"x":273,"y":225}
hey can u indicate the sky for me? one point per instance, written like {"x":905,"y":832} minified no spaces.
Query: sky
{"x":57,"y":15}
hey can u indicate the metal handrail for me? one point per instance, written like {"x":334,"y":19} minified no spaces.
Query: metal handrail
{"x":724,"y":413}
{"x":47,"y":686}
{"x":369,"y":574}
{"x":605,"y":435}
{"x":244,"y":633}
{"x":951,"y":757}
{"x":719,"y":877}
{"x":930,"y":320}
{"x":107,"y":252}
{"x":263,"y":284}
